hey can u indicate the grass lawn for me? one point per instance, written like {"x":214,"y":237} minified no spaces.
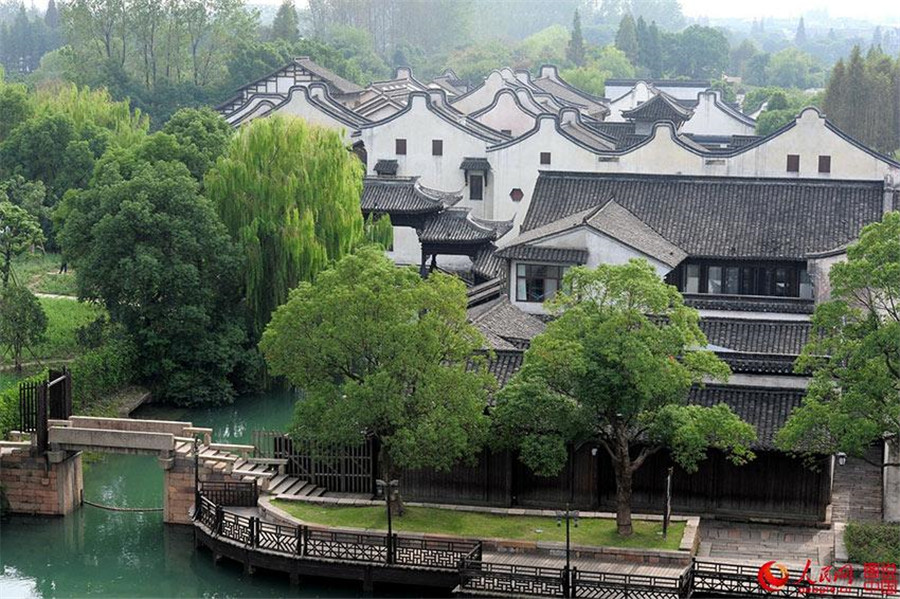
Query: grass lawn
{"x":590,"y":531}
{"x":40,"y":273}
{"x":63,"y":317}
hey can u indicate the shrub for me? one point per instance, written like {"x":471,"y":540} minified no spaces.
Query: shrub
{"x":9,"y":405}
{"x":102,"y":371}
{"x":873,"y":542}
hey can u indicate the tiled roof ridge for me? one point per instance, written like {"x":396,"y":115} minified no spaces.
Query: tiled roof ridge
{"x":862,"y":183}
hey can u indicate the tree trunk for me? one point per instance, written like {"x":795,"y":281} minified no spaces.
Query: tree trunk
{"x":622,"y":467}
{"x":386,"y":465}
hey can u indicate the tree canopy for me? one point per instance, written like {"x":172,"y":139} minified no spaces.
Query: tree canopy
{"x":153,"y":252}
{"x":615,"y":367}
{"x":853,"y":399}
{"x":288,"y":193}
{"x":22,"y":321}
{"x":379,"y":351}
{"x":19,"y":231}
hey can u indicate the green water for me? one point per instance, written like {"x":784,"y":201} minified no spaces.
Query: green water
{"x":98,"y":553}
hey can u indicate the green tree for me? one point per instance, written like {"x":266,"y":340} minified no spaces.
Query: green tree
{"x":152,"y":250}
{"x":699,"y":52}
{"x":285,"y":26}
{"x":626,"y":38}
{"x":288,"y":193}
{"x":800,"y":36}
{"x":22,"y":321}
{"x":203,"y":136}
{"x":603,"y":63}
{"x":381,"y":352}
{"x":615,"y":368}
{"x":793,"y":68}
{"x":575,"y":49}
{"x":853,"y":399}
{"x":19,"y":231}
{"x":14,"y":106}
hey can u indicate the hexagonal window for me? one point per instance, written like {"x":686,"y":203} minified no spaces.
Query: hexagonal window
{"x":516,"y":194}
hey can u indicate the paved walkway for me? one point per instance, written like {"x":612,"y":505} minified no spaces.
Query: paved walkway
{"x":758,"y":543}
{"x":857,"y":489}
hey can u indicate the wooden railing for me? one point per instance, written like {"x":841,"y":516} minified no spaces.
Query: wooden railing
{"x":231,"y":493}
{"x":315,"y":543}
{"x":736,"y":580}
{"x":341,"y":469}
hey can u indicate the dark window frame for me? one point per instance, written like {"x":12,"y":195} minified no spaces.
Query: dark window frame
{"x":437,"y":147}
{"x":480,"y":187}
{"x":793,"y":163}
{"x":400,"y":146}
{"x":546,"y":157}
{"x":560,"y":271}
{"x":757,"y":278}
{"x":825,"y":163}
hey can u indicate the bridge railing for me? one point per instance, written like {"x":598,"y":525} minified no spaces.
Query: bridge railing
{"x":231,"y":493}
{"x":317,"y":543}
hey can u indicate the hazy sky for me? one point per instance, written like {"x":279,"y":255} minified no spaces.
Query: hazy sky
{"x":874,"y":10}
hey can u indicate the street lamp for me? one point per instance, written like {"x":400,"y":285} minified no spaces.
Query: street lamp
{"x":388,"y":489}
{"x":570,"y":516}
{"x":841,"y":458}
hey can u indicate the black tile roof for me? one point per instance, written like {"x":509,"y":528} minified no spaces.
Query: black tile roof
{"x":403,"y":196}
{"x":722,"y":217}
{"x":386,"y":167}
{"x":456,"y":225}
{"x":659,"y":82}
{"x":544,"y":254}
{"x":750,"y":363}
{"x":505,"y":364}
{"x":499,"y":317}
{"x":487,"y":264}
{"x":660,"y":107}
{"x":475,"y":164}
{"x":757,"y":336}
{"x":767,"y":409}
{"x":784,"y":305}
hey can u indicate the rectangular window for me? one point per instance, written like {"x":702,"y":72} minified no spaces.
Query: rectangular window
{"x":476,"y":187}
{"x":748,"y":281}
{"x":506,"y":131}
{"x":400,"y":147}
{"x":781,"y":282}
{"x":714,"y":279}
{"x":793,"y":163}
{"x":731,"y":282}
{"x":545,"y":157}
{"x":537,"y":282}
{"x":824,"y":164}
{"x":437,"y":147}
{"x":806,"y":286}
{"x":692,"y":278}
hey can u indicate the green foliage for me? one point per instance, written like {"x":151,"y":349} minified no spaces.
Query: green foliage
{"x":22,"y":321}
{"x":19,"y":231}
{"x":852,"y":399}
{"x":547,"y":46}
{"x":473,"y":62}
{"x":356,"y":47}
{"x":14,"y":107}
{"x":10,"y":418}
{"x":873,"y":542}
{"x":616,"y":367}
{"x":772,"y":120}
{"x":288,"y":193}
{"x":99,"y":372}
{"x":792,"y":67}
{"x":202,"y":135}
{"x":380,"y":351}
{"x":64,"y":318}
{"x":863,"y":98}
{"x":596,"y":532}
{"x":286,"y":26}
{"x":151,"y":250}
{"x":602,"y":64}
{"x":698,"y":52}
{"x":626,"y":37}
{"x":575,"y":49}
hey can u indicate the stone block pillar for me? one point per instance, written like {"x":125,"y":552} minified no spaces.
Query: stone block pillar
{"x":178,"y":496}
{"x":47,"y":485}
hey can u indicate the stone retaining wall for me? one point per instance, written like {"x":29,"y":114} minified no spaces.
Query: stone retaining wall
{"x":178,"y":498}
{"x":35,"y":485}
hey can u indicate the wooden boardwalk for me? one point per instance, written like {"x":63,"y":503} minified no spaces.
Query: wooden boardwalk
{"x":584,"y":564}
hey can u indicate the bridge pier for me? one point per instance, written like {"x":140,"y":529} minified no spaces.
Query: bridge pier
{"x":47,"y":485}
{"x":178,"y":482}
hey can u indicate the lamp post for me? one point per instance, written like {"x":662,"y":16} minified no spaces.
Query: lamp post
{"x":196,"y":478}
{"x":570,"y":516}
{"x":388,"y":489}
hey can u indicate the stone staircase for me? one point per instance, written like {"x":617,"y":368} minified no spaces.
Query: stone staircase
{"x":234,"y":460}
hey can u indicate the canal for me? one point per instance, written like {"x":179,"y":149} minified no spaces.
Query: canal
{"x":100,"y":553}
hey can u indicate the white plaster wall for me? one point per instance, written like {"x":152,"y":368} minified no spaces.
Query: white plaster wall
{"x":818,"y":269}
{"x":507,"y":115}
{"x":626,"y":99}
{"x":517,"y":165}
{"x":407,"y":249}
{"x":682,"y":93}
{"x":601,"y":249}
{"x":809,"y":138}
{"x":419,"y":126}
{"x":299,"y":105}
{"x":710,"y":119}
{"x":482,"y":96}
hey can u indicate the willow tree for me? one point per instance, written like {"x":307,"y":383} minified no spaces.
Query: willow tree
{"x":289,"y":193}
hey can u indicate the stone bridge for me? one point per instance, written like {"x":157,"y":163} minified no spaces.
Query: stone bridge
{"x":50,"y":483}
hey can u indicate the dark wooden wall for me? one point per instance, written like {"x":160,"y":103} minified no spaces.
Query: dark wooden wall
{"x":773,"y":485}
